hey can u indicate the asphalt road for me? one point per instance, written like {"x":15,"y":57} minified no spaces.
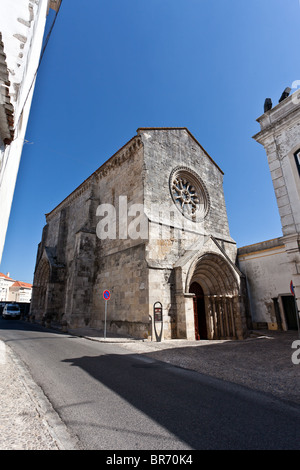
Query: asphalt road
{"x":113,"y":400}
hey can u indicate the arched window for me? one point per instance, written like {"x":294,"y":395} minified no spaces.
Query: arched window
{"x":297,"y":160}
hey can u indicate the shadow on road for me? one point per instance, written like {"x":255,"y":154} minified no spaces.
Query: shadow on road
{"x":198,"y":408}
{"x":201,"y":411}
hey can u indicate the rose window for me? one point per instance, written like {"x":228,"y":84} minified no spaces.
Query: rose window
{"x":189,"y":193}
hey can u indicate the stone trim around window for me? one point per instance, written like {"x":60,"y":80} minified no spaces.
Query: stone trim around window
{"x":189,"y":193}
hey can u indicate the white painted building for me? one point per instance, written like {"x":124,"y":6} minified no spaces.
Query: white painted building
{"x":5,"y":283}
{"x":270,"y":266}
{"x":14,"y":291}
{"x":20,"y":292}
{"x":22,"y":26}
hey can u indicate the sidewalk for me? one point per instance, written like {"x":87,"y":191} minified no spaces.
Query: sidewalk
{"x":27,"y":419}
{"x":262,"y":362}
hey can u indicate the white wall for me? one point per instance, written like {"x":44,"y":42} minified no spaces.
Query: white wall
{"x":5,"y":284}
{"x":268,"y":273}
{"x":19,"y":294}
{"x":280,"y":135}
{"x":22,"y":25}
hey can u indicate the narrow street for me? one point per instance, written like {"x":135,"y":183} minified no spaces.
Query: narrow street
{"x":112,"y":399}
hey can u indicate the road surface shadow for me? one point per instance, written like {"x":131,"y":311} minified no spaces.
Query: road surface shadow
{"x":203,"y":412}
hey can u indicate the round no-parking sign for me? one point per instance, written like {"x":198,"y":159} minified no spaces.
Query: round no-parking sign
{"x":106,"y":295}
{"x":292,"y":288}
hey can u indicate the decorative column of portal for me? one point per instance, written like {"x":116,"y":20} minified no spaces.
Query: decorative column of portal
{"x":225,"y":318}
{"x":217,"y":317}
{"x":221,"y":315}
{"x":228,"y":318}
{"x":215,"y":321}
{"x":231,"y":310}
{"x":210,"y":316}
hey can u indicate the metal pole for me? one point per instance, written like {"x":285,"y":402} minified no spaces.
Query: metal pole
{"x":105,"y":319}
{"x":297,"y":315}
{"x":297,"y":311}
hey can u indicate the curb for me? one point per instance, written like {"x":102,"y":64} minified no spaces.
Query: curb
{"x":55,"y":426}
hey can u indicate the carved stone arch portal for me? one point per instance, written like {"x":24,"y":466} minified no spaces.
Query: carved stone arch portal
{"x":212,"y":305}
{"x":214,"y":274}
{"x":222,"y":307}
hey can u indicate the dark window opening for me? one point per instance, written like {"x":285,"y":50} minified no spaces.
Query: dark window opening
{"x":290,"y":311}
{"x":297,"y":160}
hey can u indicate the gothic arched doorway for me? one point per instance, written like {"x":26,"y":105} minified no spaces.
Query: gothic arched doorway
{"x":199,"y":311}
{"x":219,"y":301}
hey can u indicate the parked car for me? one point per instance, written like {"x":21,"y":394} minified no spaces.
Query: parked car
{"x":11,"y":311}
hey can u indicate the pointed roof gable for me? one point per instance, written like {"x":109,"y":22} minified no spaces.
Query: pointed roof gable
{"x":189,"y":133}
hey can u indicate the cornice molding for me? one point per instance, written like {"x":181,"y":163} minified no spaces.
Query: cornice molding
{"x":115,"y":160}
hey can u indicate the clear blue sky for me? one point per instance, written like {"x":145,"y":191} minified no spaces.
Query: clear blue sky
{"x":112,"y":66}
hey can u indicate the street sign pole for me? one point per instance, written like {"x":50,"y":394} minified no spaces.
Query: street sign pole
{"x":105,"y":319}
{"x":158,"y":319}
{"x":296,"y":306}
{"x":106,"y":297}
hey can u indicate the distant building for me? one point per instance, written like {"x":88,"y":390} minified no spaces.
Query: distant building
{"x":5,"y":283}
{"x":20,"y":292}
{"x":14,"y":291}
{"x":271,"y":265}
{"x":22,"y":25}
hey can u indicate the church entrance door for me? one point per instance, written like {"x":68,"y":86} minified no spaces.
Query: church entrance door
{"x":199,"y":311}
{"x":290,"y":311}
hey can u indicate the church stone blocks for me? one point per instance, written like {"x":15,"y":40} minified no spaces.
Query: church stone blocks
{"x":150,"y":225}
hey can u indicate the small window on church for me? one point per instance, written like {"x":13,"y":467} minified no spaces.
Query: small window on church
{"x":297,"y":159}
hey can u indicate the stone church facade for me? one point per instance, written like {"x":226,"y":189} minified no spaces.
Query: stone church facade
{"x":150,"y":225}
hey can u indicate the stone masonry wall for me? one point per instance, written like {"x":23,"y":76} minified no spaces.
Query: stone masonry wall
{"x":136,"y":266}
{"x":120,"y":262}
{"x":165,"y":150}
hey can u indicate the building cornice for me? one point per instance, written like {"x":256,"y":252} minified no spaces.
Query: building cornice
{"x":278,"y":117}
{"x":116,"y":159}
{"x":54,"y":5}
{"x":6,"y":107}
{"x":267,"y":245}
